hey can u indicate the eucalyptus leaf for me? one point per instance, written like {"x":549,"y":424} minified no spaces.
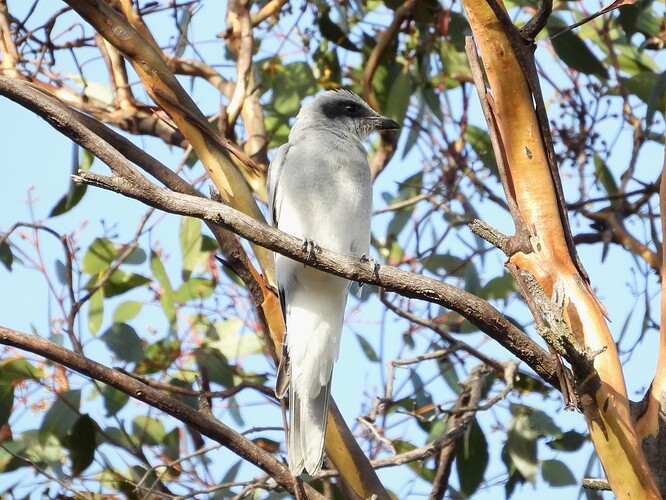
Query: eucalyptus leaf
{"x":123,"y":341}
{"x":556,"y":473}
{"x":573,"y":51}
{"x":471,"y":458}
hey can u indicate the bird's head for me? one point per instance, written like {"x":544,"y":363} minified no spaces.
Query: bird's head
{"x":345,"y":111}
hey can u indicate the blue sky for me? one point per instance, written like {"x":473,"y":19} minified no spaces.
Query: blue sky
{"x":37,"y":161}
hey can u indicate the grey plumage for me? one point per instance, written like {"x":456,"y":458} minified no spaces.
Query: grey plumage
{"x":319,"y":189}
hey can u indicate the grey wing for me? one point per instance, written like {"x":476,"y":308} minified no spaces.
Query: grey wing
{"x":273,"y":183}
{"x":274,"y":198}
{"x":284,"y":367}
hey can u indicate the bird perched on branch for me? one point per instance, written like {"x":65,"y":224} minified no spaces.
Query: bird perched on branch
{"x":319,"y":189}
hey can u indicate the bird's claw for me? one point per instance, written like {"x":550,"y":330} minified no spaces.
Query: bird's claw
{"x":373,"y":264}
{"x":311,"y":248}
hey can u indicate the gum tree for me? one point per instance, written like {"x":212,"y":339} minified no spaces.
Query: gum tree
{"x":467,"y":330}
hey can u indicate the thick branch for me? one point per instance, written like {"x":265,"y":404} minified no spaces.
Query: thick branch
{"x":477,"y":311}
{"x":207,"y":426}
{"x":133,"y":184}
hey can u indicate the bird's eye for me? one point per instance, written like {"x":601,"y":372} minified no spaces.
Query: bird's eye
{"x":351,"y":108}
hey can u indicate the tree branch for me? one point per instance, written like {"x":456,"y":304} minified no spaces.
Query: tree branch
{"x":131,"y":183}
{"x":207,"y":426}
{"x":476,"y":310}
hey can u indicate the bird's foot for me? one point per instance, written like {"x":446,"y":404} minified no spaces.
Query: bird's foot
{"x":311,"y":248}
{"x":373,"y":264}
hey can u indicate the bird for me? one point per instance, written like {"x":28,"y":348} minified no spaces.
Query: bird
{"x":319,"y":188}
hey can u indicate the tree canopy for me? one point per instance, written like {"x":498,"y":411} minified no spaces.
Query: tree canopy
{"x":517,"y":210}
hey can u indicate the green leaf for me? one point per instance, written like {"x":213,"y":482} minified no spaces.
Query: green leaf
{"x":232,"y":343}
{"x":498,"y":288}
{"x":10,"y":449}
{"x":121,"y":282}
{"x":216,"y":365}
{"x":6,"y":402}
{"x":190,"y":400}
{"x":526,"y":383}
{"x":604,"y":175}
{"x":431,"y":98}
{"x":544,"y":423}
{"x":61,"y":416}
{"x":515,"y":477}
{"x":328,"y":69}
{"x":150,"y":430}
{"x":167,"y":295}
{"x":409,"y":188}
{"x":184,"y":20}
{"x":171,"y":445}
{"x":482,"y":146}
{"x":367,"y":349}
{"x":235,"y":412}
{"x":417,"y":466}
{"x":445,"y":264}
{"x":136,"y":256}
{"x":414,"y":132}
{"x":439,"y":427}
{"x":149,"y":479}
{"x":656,"y":101}
{"x":456,"y":66}
{"x":209,"y":244}
{"x":383,"y":80}
{"x":127,"y":311}
{"x":16,"y":370}
{"x":649,"y":88}
{"x":123,"y":341}
{"x":194,"y":289}
{"x":291,"y":83}
{"x":641,"y":18}
{"x":114,"y":400}
{"x":334,"y":33}
{"x":450,"y":376}
{"x":190,"y":244}
{"x":277,"y":128}
{"x":96,"y":311}
{"x":458,"y":29}
{"x":158,"y":356}
{"x":425,"y":406}
{"x":6,"y":255}
{"x":41,"y":449}
{"x":573,"y":51}
{"x":61,"y":272}
{"x":568,"y":441}
{"x":230,"y":475}
{"x":634,"y":62}
{"x":471,"y":458}
{"x":98,"y":257}
{"x":556,"y":473}
{"x":82,"y":444}
{"x":76,"y":191}
{"x":472,"y":281}
{"x":399,"y":221}
{"x":457,"y":323}
{"x":522,"y":446}
{"x":400,"y":94}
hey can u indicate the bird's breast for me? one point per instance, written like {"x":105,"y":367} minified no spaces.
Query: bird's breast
{"x":328,"y":197}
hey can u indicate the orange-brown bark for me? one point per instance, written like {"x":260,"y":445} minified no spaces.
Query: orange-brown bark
{"x":651,"y":425}
{"x":531,"y":184}
{"x":167,"y":92}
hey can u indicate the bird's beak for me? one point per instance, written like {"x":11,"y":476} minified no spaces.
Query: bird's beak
{"x":384,"y":123}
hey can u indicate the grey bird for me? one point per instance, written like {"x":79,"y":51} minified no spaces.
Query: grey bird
{"x":319,"y":189}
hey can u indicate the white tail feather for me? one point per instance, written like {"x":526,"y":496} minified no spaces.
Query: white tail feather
{"x":315,"y":312}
